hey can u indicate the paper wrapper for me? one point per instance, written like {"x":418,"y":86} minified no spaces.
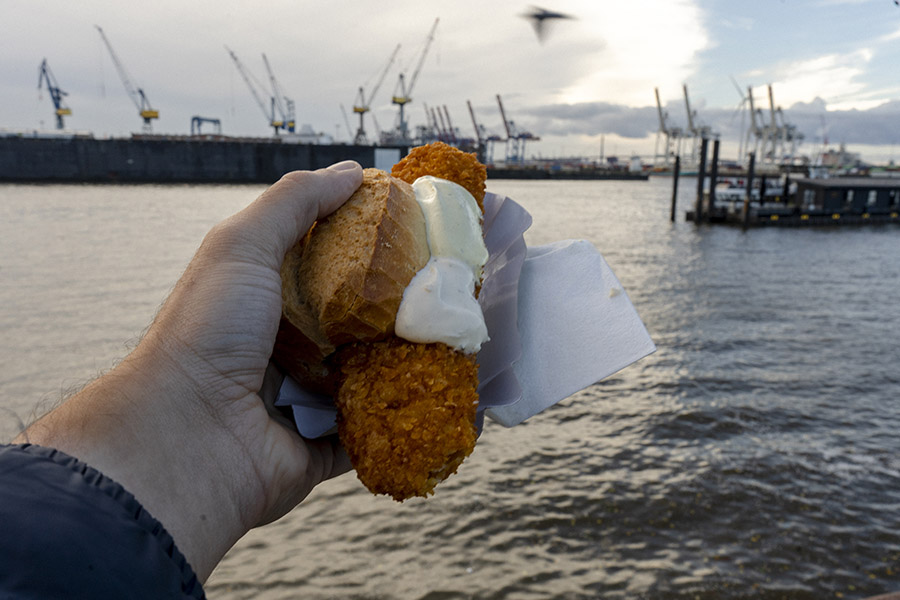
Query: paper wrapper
{"x":558,"y":320}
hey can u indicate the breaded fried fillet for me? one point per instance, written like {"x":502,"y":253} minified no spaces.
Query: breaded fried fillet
{"x":407,"y":414}
{"x":445,"y":162}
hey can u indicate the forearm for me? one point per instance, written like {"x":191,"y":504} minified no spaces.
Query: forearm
{"x":137,"y":429}
{"x":180,"y":422}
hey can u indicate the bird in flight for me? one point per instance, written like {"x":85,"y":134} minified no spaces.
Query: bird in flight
{"x":541,"y":17}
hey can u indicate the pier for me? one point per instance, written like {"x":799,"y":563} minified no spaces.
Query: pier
{"x":780,"y":200}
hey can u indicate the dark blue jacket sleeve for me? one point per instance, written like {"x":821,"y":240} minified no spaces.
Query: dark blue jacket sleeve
{"x":66,"y":531}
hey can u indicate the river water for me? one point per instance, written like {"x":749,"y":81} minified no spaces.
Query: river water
{"x":756,"y":454}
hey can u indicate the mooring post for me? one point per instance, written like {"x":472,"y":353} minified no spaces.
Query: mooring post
{"x":701,"y":176}
{"x":786,"y":190}
{"x":746,"y":211}
{"x":713,"y":178}
{"x":675,"y":186}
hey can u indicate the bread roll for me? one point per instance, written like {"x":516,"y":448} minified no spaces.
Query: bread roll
{"x":344,"y":281}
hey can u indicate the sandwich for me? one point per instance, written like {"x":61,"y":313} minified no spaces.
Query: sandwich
{"x":380,"y":312}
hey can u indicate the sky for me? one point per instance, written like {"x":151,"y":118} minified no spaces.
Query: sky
{"x":586,"y":89}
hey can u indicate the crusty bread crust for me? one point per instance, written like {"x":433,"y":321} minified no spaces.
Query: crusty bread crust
{"x":344,"y":281}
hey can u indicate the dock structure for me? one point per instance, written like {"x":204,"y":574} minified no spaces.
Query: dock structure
{"x":819,"y":202}
{"x":799,"y":202}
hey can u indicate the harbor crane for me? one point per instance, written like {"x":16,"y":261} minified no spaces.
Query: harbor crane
{"x":56,"y":94}
{"x":403,"y":91}
{"x":479,"y":134}
{"x":485,"y":141}
{"x":198,"y":121}
{"x":432,"y":128}
{"x":673,"y":135}
{"x":285,"y":108}
{"x":782,"y":137}
{"x":699,"y":131}
{"x":515,"y":139}
{"x":287,"y":117}
{"x":145,"y":110}
{"x":364,"y":103}
{"x":756,"y":131}
{"x":450,"y":130}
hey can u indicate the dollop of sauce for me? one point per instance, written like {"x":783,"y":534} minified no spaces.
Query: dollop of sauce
{"x":439,"y":304}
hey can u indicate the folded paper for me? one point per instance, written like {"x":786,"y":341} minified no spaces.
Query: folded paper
{"x":576,"y":325}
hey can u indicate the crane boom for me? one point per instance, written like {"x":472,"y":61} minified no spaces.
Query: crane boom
{"x":659,"y":110}
{"x":690,"y":115}
{"x":135,"y":93}
{"x":405,"y":93}
{"x":56,"y":94}
{"x":286,"y":110}
{"x":509,"y":133}
{"x":363,"y":104}
{"x":383,"y":75}
{"x":412,"y":82}
{"x":255,"y":86}
{"x":478,"y":135}
{"x":450,"y":125}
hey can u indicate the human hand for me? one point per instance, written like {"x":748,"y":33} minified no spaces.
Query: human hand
{"x":180,"y":422}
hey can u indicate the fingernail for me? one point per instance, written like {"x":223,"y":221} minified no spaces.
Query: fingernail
{"x":346,"y":165}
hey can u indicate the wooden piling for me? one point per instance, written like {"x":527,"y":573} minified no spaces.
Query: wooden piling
{"x":675,"y":174}
{"x":701,"y":176}
{"x":746,"y":212}
{"x":713,"y":178}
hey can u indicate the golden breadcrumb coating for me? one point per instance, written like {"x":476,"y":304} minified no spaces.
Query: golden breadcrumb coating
{"x":406,"y":413}
{"x":445,"y":162}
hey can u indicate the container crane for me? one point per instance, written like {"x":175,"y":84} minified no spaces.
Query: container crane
{"x":432,"y":129}
{"x":286,"y":109}
{"x":515,"y":139}
{"x":755,"y":130}
{"x":672,"y":135}
{"x":485,"y":141}
{"x":479,"y":135}
{"x":56,"y":94}
{"x":699,"y":131}
{"x":450,"y":129}
{"x":135,"y":93}
{"x":403,"y":93}
{"x":363,"y":103}
{"x":255,"y":87}
{"x":197,"y":123}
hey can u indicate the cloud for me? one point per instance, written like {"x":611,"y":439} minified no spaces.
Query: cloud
{"x":582,"y":122}
{"x":874,"y":126}
{"x":837,"y":78}
{"x":594,"y":118}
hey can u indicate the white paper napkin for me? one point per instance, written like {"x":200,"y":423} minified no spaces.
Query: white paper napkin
{"x":576,"y":325}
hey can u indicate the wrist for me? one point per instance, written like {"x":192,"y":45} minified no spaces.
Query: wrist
{"x":138,"y":426}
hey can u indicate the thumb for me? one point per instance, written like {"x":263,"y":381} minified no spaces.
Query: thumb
{"x":287,"y":209}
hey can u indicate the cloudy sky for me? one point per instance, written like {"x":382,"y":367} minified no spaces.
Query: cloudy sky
{"x":832,"y":65}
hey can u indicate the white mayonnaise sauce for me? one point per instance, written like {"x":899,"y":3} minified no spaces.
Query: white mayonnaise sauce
{"x":439,"y":304}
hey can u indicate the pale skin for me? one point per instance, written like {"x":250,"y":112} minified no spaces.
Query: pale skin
{"x":181,"y":422}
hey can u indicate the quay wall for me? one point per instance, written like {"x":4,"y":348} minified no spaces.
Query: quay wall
{"x":165,"y":160}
